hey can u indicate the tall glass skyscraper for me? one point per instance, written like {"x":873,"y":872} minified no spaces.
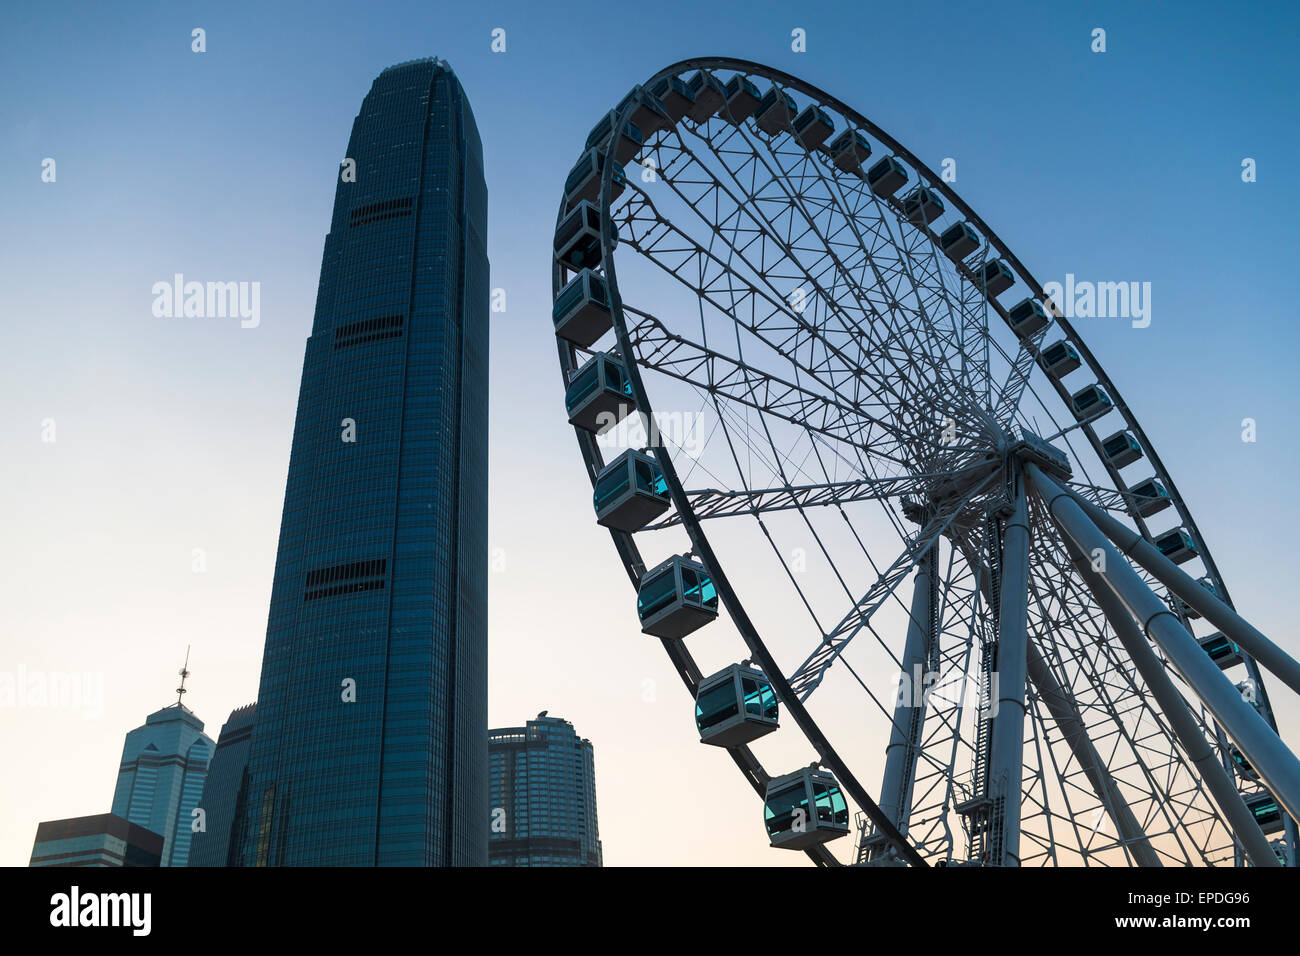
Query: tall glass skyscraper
{"x":160,"y":779}
{"x":225,"y":793}
{"x":369,"y":746}
{"x":542,"y":787}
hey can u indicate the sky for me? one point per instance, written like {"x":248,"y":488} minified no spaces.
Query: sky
{"x":171,"y":435}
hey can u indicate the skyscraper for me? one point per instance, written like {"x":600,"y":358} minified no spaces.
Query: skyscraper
{"x":160,"y":779}
{"x":225,"y":793}
{"x":100,"y":840}
{"x":542,"y":788}
{"x":372,"y":710}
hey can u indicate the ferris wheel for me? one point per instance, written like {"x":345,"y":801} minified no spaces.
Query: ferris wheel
{"x":894,"y":526}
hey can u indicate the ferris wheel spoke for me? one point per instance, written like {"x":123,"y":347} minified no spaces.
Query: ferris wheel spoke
{"x":747,"y":226}
{"x":789,"y":185}
{"x":1160,"y":754}
{"x":1067,"y":630}
{"x":1081,"y":736}
{"x":773,"y":323}
{"x":1191,"y":735}
{"x":716,"y":503}
{"x":822,"y":412}
{"x":810,"y":673}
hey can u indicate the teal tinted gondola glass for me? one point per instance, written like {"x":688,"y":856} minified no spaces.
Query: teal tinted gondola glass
{"x":609,"y":486}
{"x":1264,"y":808}
{"x":583,"y":384}
{"x":1177,"y":545}
{"x":831,"y":807}
{"x":1221,"y":647}
{"x":735,"y":706}
{"x":1116,"y":444}
{"x":650,"y":479}
{"x":630,"y":492}
{"x":677,"y":598}
{"x":657,"y":593}
{"x":616,"y":379}
{"x":584,"y":168}
{"x":1242,"y":764}
{"x":959,"y":240}
{"x":715,"y":705}
{"x":601,"y":130}
{"x":567,"y":299}
{"x":760,"y":699}
{"x":779,"y":808}
{"x":698,"y":588}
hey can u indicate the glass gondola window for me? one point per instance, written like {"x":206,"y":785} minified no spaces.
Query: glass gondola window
{"x":568,"y":298}
{"x":609,"y":486}
{"x":617,"y":379}
{"x":585,"y":283}
{"x":831,"y":807}
{"x":760,"y":699}
{"x":630,"y":131}
{"x":698,"y":588}
{"x":599,"y":394}
{"x":630,"y":492}
{"x":1242,"y":764}
{"x":650,"y":478}
{"x":584,"y":383}
{"x":959,"y":240}
{"x":715,"y":705}
{"x":569,"y":228}
{"x":584,"y":168}
{"x":657,"y":593}
{"x":1264,"y":808}
{"x":786,"y":807}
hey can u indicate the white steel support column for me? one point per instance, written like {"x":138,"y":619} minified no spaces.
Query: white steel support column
{"x":1276,"y":765}
{"x":1006,"y":752}
{"x":909,"y":708}
{"x":1233,"y":625}
{"x":1181,"y":721}
{"x":1065,"y":712}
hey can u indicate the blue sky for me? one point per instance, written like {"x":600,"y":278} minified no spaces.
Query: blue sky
{"x":174,"y":434}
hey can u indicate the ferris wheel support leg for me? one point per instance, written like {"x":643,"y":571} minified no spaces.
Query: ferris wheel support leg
{"x":1006,"y":753}
{"x":1181,"y":721}
{"x":1232,"y":624}
{"x":909,"y":711}
{"x":1065,"y":713}
{"x":1276,"y":765}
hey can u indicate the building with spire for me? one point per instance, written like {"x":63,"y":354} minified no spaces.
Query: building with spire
{"x":161,"y":775}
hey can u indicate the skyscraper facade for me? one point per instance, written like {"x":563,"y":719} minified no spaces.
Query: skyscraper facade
{"x":542,"y":788}
{"x":100,"y":840}
{"x":224,"y":793}
{"x":160,"y":779}
{"x":372,"y":710}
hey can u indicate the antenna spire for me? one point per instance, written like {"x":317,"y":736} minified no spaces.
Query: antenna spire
{"x":184,"y":672}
